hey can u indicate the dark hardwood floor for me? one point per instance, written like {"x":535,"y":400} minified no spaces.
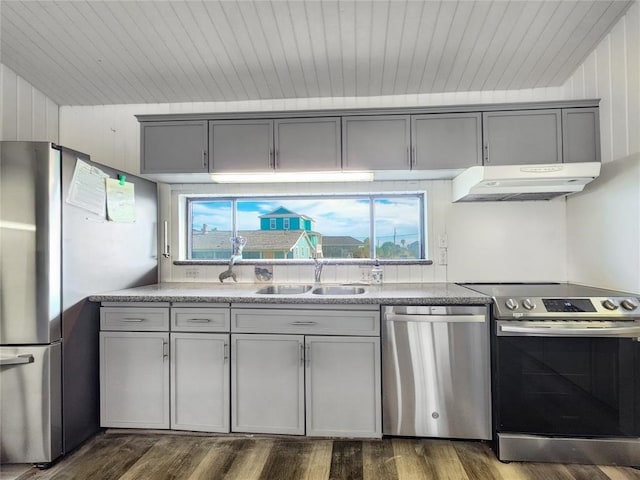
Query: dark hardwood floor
{"x":158,"y":456}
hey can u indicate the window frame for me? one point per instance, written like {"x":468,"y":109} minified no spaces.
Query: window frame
{"x":372,"y":197}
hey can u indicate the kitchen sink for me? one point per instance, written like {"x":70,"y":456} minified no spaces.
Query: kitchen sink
{"x":284,"y":289}
{"x":338,"y":290}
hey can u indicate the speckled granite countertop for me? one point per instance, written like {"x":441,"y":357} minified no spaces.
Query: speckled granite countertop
{"x":387,"y":294}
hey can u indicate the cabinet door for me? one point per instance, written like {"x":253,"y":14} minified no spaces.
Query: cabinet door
{"x":200,"y":382}
{"x":174,"y":147}
{"x":580,"y":135}
{"x":311,"y":144}
{"x":376,"y":142}
{"x":241,"y":145}
{"x":134,"y":379}
{"x":267,"y":384}
{"x":343,"y":386}
{"x":522,"y":137}
{"x":446,"y":141}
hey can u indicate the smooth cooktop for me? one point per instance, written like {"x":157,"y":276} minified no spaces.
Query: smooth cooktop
{"x":548,"y":290}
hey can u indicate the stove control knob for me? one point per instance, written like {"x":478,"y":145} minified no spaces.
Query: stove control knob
{"x":511,"y":304}
{"x":609,"y":304}
{"x":629,"y":304}
{"x":528,"y":304}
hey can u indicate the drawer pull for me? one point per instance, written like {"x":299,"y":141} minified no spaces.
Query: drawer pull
{"x":225,"y":351}
{"x":133,"y":320}
{"x":199,"y":320}
{"x":301,"y":322}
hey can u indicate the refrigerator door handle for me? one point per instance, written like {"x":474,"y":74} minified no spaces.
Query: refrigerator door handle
{"x":165,"y":242}
{"x":17,"y":360}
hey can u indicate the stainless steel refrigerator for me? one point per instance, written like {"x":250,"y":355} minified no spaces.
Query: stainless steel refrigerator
{"x":54,"y":253}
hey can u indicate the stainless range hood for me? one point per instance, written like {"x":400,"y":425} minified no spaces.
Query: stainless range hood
{"x":522,"y":182}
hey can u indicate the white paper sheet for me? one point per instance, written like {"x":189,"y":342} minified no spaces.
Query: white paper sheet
{"x":87,"y":188}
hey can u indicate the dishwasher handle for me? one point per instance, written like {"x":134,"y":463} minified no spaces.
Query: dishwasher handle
{"x":404,"y":317}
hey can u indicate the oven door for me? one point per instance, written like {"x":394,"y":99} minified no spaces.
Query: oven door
{"x":567,"y":384}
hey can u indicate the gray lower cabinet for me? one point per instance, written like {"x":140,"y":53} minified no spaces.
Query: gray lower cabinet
{"x":522,"y":137}
{"x":376,"y":142}
{"x":343,"y":386}
{"x":292,"y":370}
{"x":153,"y":378}
{"x":174,"y":147}
{"x":314,"y":371}
{"x":267,"y":384}
{"x":580,"y":135}
{"x":200,"y":382}
{"x":446,"y":140}
{"x":134,"y":379}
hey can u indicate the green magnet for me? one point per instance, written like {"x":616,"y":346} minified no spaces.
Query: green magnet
{"x":122,"y":178}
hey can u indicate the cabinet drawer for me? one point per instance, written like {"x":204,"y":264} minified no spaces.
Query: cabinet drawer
{"x":185,"y":319}
{"x":134,"y":319}
{"x":323,"y":322}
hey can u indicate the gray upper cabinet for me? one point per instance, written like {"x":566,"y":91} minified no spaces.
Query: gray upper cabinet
{"x":174,"y":147}
{"x":376,"y":142}
{"x":264,"y":145}
{"x":580,"y":135}
{"x":241,"y":145}
{"x":447,"y":140}
{"x":522,"y":137}
{"x":307,"y":144}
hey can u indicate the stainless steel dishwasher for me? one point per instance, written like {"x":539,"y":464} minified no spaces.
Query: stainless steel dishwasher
{"x":435,"y":372}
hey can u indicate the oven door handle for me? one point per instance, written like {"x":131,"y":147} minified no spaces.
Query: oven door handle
{"x":552,"y":331}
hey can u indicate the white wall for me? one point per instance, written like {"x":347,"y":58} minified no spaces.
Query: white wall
{"x":603,"y":223}
{"x":25,"y":113}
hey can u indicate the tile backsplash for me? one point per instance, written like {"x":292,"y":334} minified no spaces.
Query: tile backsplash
{"x":304,"y":273}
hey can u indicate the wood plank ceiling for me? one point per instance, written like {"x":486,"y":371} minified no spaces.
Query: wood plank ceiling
{"x":95,"y":52}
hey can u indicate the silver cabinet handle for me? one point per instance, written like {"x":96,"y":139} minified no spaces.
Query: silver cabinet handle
{"x":301,"y":353}
{"x":17,"y":360}
{"x":308,"y":354}
{"x":204,"y":158}
{"x":271,"y":161}
{"x":413,"y":156}
{"x":225,"y":351}
{"x":551,"y":331}
{"x":132,"y":320}
{"x":408,"y":156}
{"x":199,"y":320}
{"x":435,"y":318}
{"x":486,"y":153}
{"x":165,"y":350}
{"x":303,"y":323}
{"x":165,"y":241}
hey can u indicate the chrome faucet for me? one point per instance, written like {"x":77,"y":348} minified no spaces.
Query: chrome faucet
{"x":238,"y":243}
{"x":317,"y":270}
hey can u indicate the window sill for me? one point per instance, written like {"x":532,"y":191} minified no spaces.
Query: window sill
{"x":284,"y":262}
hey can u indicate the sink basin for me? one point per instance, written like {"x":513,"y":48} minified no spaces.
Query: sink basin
{"x":338,"y":290}
{"x":284,"y":289}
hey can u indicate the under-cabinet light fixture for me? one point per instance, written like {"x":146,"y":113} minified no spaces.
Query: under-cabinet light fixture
{"x":288,"y":177}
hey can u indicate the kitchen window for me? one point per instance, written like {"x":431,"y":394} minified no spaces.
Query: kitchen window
{"x":387,"y":226}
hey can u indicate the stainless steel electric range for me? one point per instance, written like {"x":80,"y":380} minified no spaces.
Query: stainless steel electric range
{"x":565,"y":373}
